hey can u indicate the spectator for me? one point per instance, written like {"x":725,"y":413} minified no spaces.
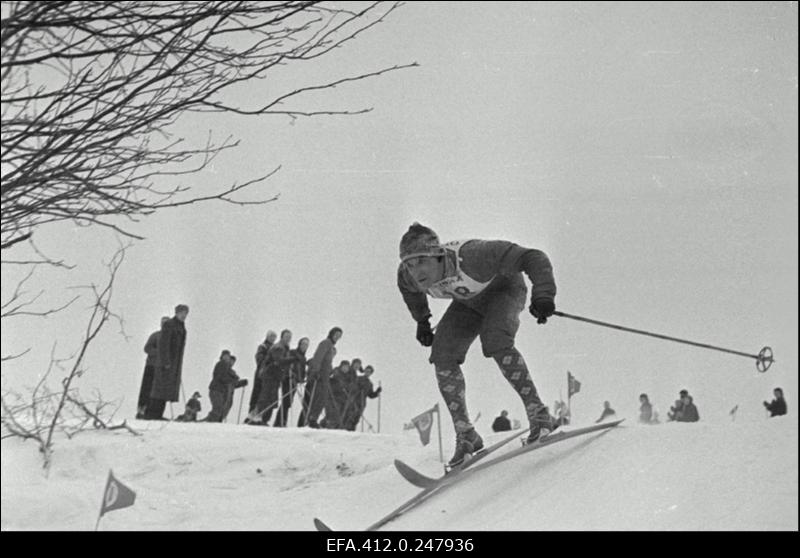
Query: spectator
{"x":193,"y":408}
{"x":562,"y":413}
{"x":295,"y":376}
{"x":647,"y":412}
{"x":677,"y":407}
{"x":337,"y":396}
{"x":232,"y":387}
{"x":150,"y":366}
{"x":278,"y":362}
{"x":778,"y":405}
{"x":349,"y":387}
{"x":607,"y":412}
{"x":261,"y":354}
{"x":364,"y":390}
{"x":501,"y":423}
{"x":685,"y":409}
{"x":167,"y":377}
{"x":319,"y":374}
{"x":221,"y":379}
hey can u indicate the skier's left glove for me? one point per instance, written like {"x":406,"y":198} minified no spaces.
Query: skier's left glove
{"x":379,"y":390}
{"x":424,"y":332}
{"x":241,"y":383}
{"x":542,"y":308}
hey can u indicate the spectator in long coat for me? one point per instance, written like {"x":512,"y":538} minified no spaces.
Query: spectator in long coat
{"x":167,"y":379}
{"x":319,"y":377}
{"x":151,"y":348}
{"x":261,"y":361}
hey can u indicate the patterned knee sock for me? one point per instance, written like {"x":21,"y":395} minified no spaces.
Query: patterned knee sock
{"x":452,"y":387}
{"x":516,"y":372}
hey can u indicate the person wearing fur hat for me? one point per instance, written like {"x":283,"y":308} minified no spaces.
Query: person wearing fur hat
{"x":484,"y":280}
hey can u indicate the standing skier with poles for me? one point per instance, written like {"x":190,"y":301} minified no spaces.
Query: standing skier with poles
{"x":484,"y":279}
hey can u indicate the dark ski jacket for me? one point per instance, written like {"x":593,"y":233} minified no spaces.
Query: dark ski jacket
{"x":298,"y":366}
{"x":321,"y":364}
{"x":475,"y":269}
{"x":278,"y":362}
{"x":501,"y":424}
{"x":223,"y":378}
{"x":777,"y":407}
{"x":688,"y":412}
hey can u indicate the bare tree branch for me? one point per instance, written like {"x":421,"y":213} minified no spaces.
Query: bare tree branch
{"x":91,"y":91}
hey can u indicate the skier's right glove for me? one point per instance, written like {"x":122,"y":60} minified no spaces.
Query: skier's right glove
{"x":542,"y":308}
{"x":424,"y":332}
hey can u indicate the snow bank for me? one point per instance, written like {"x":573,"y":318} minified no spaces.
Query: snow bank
{"x":227,"y":477}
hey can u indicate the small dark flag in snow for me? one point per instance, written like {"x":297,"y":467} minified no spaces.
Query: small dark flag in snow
{"x":573,"y":385}
{"x":116,"y":495}
{"x":732,"y":412}
{"x":424,"y":423}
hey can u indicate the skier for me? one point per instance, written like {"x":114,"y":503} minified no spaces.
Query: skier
{"x":484,"y":279}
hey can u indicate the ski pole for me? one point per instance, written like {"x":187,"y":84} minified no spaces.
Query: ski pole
{"x":239,"y":414}
{"x":763,"y":359}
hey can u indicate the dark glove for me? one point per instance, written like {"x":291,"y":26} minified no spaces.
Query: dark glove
{"x":378,"y":391}
{"x":425,"y":333}
{"x":766,"y":404}
{"x":241,"y":383}
{"x":542,"y":308}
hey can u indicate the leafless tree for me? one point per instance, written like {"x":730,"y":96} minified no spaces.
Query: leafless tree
{"x":44,"y":411}
{"x":91,"y":91}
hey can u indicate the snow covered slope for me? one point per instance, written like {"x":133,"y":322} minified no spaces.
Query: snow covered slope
{"x":702,"y":476}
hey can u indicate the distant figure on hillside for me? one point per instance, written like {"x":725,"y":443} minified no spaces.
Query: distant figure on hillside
{"x":684,"y":409}
{"x":364,"y":390}
{"x":607,"y":412}
{"x":778,"y":405}
{"x":501,"y":423}
{"x":319,"y":378}
{"x":647,"y":412}
{"x":193,"y":409}
{"x":261,"y":358}
{"x":232,"y":387}
{"x":167,"y":378}
{"x":150,"y":366}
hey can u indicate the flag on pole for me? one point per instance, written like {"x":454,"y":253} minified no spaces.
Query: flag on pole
{"x":424,"y":422}
{"x":116,"y":495}
{"x":573,"y":385}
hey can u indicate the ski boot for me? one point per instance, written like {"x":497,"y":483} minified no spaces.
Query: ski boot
{"x":467,"y":443}
{"x":542,"y":424}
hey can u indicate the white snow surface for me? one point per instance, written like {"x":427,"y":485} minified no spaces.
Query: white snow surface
{"x":196,"y":477}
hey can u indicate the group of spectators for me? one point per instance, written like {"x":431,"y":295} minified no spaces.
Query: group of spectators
{"x":683,"y":410}
{"x":330,"y":397}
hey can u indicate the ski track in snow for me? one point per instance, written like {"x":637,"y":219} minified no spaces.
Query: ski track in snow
{"x":702,"y":476}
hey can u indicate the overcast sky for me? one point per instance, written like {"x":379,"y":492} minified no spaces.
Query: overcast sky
{"x":650,"y":149}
